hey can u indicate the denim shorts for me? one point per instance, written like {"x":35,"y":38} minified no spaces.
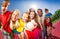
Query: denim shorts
{"x":18,"y":32}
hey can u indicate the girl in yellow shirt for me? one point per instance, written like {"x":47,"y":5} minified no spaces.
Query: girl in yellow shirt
{"x":22,"y":22}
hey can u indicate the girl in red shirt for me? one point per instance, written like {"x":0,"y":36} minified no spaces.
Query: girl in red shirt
{"x":48,"y":24}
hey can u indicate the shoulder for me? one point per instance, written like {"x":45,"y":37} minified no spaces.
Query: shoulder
{"x":8,"y":12}
{"x":50,"y":13}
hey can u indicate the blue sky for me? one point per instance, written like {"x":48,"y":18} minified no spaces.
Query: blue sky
{"x":24,"y":5}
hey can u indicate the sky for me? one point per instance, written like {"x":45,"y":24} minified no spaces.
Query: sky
{"x":25,"y":5}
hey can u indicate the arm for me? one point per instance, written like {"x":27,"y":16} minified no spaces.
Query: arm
{"x":1,"y":26}
{"x":26,"y":28}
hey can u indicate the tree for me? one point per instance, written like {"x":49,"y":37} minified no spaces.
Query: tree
{"x":56,"y":15}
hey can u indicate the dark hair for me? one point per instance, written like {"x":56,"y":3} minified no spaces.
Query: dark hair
{"x":46,"y":9}
{"x":39,"y":9}
{"x":50,"y":20}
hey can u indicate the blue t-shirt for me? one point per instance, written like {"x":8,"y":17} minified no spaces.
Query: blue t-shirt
{"x":48,"y":15}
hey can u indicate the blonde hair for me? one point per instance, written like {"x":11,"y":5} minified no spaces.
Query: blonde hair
{"x":16,"y":11}
{"x":25,"y":13}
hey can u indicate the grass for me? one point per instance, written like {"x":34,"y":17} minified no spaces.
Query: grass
{"x":56,"y":20}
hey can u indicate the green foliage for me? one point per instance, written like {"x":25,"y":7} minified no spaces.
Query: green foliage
{"x":0,"y":24}
{"x":56,"y":16}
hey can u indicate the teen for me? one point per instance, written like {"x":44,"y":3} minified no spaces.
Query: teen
{"x":48,"y":24}
{"x":31,"y":27}
{"x":14,"y":22}
{"x":22,"y":22}
{"x":5,"y":18}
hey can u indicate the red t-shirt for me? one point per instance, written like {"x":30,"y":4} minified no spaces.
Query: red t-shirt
{"x":5,"y":20}
{"x":47,"y":24}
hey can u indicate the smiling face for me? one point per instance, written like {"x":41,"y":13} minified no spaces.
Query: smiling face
{"x":32,"y":14}
{"x":46,"y":11}
{"x":48,"y":20}
{"x":25,"y":17}
{"x":15,"y":15}
{"x":4,"y":7}
{"x":40,"y":13}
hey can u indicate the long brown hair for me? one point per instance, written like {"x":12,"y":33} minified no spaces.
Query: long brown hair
{"x":35,"y":18}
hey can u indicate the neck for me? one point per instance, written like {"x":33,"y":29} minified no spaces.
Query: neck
{"x":40,"y":15}
{"x":30,"y":18}
{"x":23,"y":21}
{"x":2,"y":12}
{"x":46,"y":13}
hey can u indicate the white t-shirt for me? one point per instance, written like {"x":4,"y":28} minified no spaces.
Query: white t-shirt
{"x":31,"y":25}
{"x":41,"y":20}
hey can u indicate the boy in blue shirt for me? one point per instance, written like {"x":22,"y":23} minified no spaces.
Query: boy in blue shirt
{"x":47,"y":13}
{"x":45,"y":28}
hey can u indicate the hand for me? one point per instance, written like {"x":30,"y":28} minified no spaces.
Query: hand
{"x":41,"y":28}
{"x":1,"y":29}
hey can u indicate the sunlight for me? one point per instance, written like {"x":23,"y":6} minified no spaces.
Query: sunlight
{"x":33,"y":6}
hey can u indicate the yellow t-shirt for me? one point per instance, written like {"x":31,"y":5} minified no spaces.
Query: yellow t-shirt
{"x":21,"y":27}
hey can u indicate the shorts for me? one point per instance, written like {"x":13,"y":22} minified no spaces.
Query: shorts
{"x":18,"y":32}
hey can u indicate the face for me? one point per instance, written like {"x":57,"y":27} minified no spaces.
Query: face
{"x":46,"y":11}
{"x":48,"y":19}
{"x":15,"y":16}
{"x":4,"y":8}
{"x":25,"y":17}
{"x":32,"y":14}
{"x":39,"y":12}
